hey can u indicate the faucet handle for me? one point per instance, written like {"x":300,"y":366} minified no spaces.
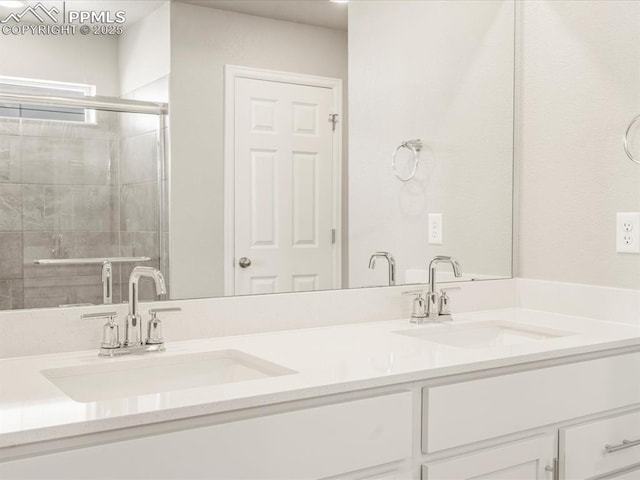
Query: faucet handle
{"x":154,"y":311}
{"x":413,"y":292}
{"x":110,"y":330}
{"x":154,"y":331}
{"x":419,"y":312}
{"x":444,"y":302}
{"x":446,"y":289}
{"x":85,"y":316}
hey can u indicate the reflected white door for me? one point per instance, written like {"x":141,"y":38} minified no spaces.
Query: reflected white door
{"x":283,"y":157}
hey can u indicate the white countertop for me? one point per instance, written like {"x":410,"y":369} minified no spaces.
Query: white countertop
{"x":328,"y":360}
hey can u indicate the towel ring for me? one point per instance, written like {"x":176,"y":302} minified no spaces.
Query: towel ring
{"x":626,"y":140}
{"x":415,"y":146}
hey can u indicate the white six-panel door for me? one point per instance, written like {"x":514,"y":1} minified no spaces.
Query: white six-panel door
{"x":284,"y":192}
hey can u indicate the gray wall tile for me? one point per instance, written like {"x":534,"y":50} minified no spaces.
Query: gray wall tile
{"x":47,"y":207}
{"x":9,"y":126}
{"x":11,"y":258}
{"x":39,"y":245}
{"x":139,"y":158}
{"x":139,"y":204}
{"x":10,"y":207}
{"x":136,"y":244}
{"x":10,"y":158}
{"x":11,"y":294}
{"x":96,"y":208}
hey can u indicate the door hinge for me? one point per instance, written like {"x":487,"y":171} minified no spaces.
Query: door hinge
{"x":333,"y":118}
{"x":333,"y":236}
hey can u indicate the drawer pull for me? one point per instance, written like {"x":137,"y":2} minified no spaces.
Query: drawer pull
{"x":621,"y":446}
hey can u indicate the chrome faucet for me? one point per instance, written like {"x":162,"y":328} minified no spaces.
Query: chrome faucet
{"x":391,"y":261}
{"x":133,"y":323}
{"x":438,"y":305}
{"x":133,"y":344}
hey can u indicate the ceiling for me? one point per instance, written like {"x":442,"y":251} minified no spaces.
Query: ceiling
{"x":321,"y":13}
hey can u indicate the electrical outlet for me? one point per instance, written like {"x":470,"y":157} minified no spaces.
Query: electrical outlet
{"x":628,"y":232}
{"x":435,"y":228}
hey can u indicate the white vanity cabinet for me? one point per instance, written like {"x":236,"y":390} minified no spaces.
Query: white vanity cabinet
{"x":540,"y":401}
{"x":323,"y":441}
{"x":521,"y":460}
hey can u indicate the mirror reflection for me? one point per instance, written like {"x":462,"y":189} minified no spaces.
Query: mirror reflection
{"x":301,"y":152}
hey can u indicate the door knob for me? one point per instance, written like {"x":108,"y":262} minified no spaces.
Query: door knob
{"x":244,"y":262}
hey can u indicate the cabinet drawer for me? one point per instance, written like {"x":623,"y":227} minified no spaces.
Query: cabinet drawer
{"x":468,"y":412}
{"x":597,"y":448}
{"x":302,"y":444}
{"x":522,"y":460}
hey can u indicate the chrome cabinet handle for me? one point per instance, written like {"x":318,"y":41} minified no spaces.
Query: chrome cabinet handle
{"x":621,"y":446}
{"x":244,"y":262}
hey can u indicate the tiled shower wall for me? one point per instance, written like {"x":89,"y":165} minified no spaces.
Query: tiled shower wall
{"x":139,"y":205}
{"x":73,"y":191}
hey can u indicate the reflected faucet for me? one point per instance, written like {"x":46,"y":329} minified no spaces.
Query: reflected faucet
{"x":438,"y":306}
{"x":133,"y":324}
{"x":392,"y":265}
{"x":107,"y":283}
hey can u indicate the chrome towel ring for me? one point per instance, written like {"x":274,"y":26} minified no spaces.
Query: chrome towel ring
{"x":415,"y":146}
{"x":626,"y":140}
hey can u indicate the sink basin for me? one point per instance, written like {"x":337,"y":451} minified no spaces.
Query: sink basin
{"x":158,"y":373}
{"x":483,"y":334}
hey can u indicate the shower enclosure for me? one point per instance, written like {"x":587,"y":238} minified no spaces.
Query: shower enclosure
{"x":76,"y":193}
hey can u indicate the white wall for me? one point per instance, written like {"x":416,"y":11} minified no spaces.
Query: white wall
{"x":86,"y":59}
{"x":440,"y":71}
{"x":580,"y":87}
{"x":203,"y":40}
{"x":144,"y":50}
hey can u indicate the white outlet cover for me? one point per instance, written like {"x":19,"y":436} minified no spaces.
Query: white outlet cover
{"x":435,"y":228}
{"x":628,"y":232}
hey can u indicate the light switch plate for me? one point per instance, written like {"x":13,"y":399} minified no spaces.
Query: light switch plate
{"x":628,"y":232}
{"x":435,"y":228}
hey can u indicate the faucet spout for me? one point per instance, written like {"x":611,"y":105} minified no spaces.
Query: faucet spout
{"x":457,"y":270}
{"x":134,"y":324}
{"x":391,"y":261}
{"x":432,"y":296}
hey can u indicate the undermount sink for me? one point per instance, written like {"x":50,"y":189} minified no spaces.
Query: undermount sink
{"x":157,"y":374}
{"x":483,"y":334}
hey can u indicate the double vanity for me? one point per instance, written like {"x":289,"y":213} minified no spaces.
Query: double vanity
{"x":507,"y":393}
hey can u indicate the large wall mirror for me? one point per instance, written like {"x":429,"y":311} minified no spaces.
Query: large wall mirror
{"x":309,"y":145}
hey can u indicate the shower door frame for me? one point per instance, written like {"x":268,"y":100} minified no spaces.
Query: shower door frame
{"x":118,"y":105}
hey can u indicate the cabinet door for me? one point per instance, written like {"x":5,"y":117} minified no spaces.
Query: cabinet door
{"x":522,"y":460}
{"x":597,"y":448}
